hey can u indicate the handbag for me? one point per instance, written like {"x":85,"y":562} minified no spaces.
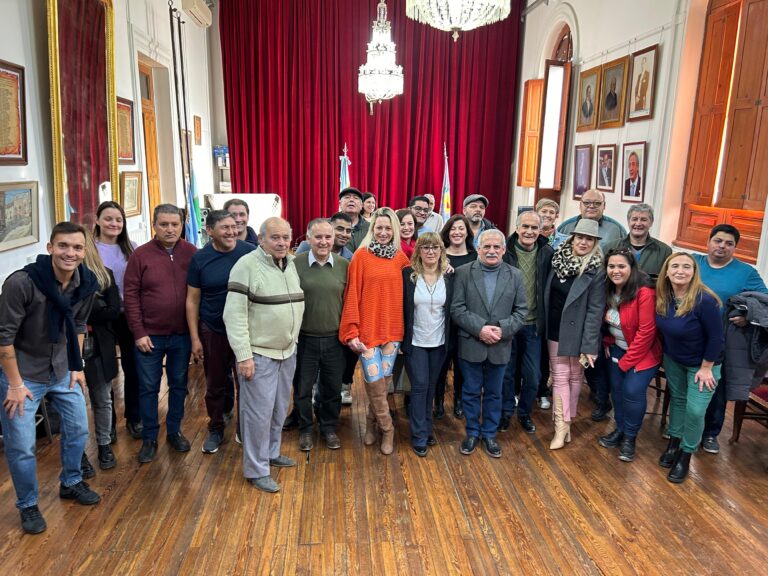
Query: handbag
{"x":89,"y":347}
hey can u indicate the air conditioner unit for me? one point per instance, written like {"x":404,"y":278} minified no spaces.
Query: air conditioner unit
{"x":198,"y":12}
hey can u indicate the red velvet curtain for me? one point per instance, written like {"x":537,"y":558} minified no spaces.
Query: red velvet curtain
{"x":83,"y":104}
{"x":290,"y":83}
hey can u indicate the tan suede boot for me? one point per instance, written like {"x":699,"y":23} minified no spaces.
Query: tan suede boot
{"x":370,"y":427}
{"x":562,"y":430}
{"x":377,"y":395}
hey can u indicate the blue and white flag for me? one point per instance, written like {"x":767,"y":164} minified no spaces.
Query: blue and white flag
{"x":445,"y":195}
{"x":344,"y":176}
{"x":192,"y":225}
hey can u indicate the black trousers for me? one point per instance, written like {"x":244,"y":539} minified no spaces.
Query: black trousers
{"x":322,"y":360}
{"x":128,"y":362}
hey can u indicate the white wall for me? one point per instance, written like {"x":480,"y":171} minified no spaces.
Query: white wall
{"x":139,"y":25}
{"x":604,"y":30}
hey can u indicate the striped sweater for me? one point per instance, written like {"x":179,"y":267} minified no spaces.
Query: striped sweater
{"x":264,"y":307}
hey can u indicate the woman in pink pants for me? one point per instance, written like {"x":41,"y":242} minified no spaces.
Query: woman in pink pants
{"x":575,"y":300}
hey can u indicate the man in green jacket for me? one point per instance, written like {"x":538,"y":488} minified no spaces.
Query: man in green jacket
{"x":649,"y":252}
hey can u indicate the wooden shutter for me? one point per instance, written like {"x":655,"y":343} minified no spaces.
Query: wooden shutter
{"x":528,"y":155}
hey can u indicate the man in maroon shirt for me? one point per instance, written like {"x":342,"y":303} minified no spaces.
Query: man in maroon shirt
{"x":155,"y":297}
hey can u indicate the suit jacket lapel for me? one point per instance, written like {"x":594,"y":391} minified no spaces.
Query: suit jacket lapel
{"x":502,"y":280}
{"x":579,"y":286}
{"x":477,"y":278}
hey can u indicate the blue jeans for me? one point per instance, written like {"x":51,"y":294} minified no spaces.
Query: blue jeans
{"x":482,"y":379}
{"x":176,"y":349}
{"x":526,"y":344}
{"x":629,"y":390}
{"x":19,"y":435}
{"x":423,"y":367}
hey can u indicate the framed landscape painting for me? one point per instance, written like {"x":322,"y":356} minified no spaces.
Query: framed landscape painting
{"x":18,"y":214}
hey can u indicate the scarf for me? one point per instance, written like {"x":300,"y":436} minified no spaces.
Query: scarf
{"x":387,"y":251}
{"x":566,"y":264}
{"x":59,"y":306}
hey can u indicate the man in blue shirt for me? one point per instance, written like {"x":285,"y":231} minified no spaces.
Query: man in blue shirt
{"x":207,"y":280}
{"x":725,"y":276}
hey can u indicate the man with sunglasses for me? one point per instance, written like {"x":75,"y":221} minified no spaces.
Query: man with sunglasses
{"x":592,"y":206}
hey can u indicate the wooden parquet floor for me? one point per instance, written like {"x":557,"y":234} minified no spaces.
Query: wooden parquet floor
{"x":353,"y":511}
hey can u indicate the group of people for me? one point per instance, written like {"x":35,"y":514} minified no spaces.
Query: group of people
{"x":273,"y":328}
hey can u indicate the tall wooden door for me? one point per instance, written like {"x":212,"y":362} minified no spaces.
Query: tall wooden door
{"x":150,"y":135}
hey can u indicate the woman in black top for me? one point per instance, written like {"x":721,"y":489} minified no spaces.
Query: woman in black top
{"x":458,"y":239}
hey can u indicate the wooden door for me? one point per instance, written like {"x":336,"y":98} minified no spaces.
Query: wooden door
{"x":150,"y":135}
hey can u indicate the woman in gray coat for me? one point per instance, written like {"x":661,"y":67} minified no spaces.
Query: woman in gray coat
{"x":575,"y":299}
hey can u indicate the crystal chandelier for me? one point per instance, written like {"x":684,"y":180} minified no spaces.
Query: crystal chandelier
{"x":380,"y":78}
{"x":457,"y":15}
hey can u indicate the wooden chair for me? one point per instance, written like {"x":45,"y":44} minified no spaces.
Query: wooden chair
{"x":661,"y":388}
{"x":756,"y":408}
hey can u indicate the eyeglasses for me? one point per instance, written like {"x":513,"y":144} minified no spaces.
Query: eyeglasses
{"x":430,"y":248}
{"x":591,"y":204}
{"x":419,"y":209}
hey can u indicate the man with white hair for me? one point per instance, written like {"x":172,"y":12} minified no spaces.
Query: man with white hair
{"x":489,"y":307}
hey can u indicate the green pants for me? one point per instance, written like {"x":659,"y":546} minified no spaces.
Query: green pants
{"x":687,"y":406}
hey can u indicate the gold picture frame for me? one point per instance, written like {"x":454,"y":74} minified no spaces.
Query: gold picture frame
{"x":613,"y":93}
{"x":13,"y":115}
{"x":130,"y":193}
{"x":589,"y":99}
{"x":19,"y":218}
{"x":126,"y":142}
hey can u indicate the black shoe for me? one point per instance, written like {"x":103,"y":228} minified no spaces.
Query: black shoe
{"x":148,"y":451}
{"x":291,"y":422}
{"x":332,"y":440}
{"x":710,"y":444}
{"x":421,"y":451}
{"x":431,"y":441}
{"x":679,"y":471}
{"x":504,"y":422}
{"x":305,"y":441}
{"x":135,"y":429}
{"x":32,"y":521}
{"x":526,"y":423}
{"x":468,"y":446}
{"x":80,"y":492}
{"x":668,"y":458}
{"x":492,"y":447}
{"x":627,"y":449}
{"x":439,"y":411}
{"x":107,"y":458}
{"x":213,"y":441}
{"x":179,"y":443}
{"x":601,"y":412}
{"x":458,"y":411}
{"x":612,"y":439}
{"x":86,"y":468}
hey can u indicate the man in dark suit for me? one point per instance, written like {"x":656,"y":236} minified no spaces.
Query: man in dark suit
{"x":605,"y":171}
{"x":587,"y":106}
{"x":489,"y":306}
{"x":611,"y":98}
{"x":633,"y":186}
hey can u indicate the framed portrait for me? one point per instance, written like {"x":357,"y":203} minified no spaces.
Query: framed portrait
{"x":198,"y":123}
{"x":589,"y":97}
{"x":633,"y":178}
{"x":126,"y":144}
{"x":613,"y":92}
{"x":605,"y":167}
{"x":18,"y":214}
{"x":582,"y":170}
{"x":642,"y":83}
{"x":130,"y":193}
{"x":13,"y":121}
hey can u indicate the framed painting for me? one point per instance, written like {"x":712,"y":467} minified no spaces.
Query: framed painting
{"x":613,"y":93}
{"x":633,"y":162}
{"x":130,"y":193}
{"x":198,"y":125}
{"x":589,"y":96}
{"x":126,"y":143}
{"x":582,"y":170}
{"x":18,"y":214}
{"x":642,"y":83}
{"x":13,"y":121}
{"x":605,"y":167}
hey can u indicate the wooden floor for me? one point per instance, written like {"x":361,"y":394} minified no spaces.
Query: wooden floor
{"x":353,"y":511}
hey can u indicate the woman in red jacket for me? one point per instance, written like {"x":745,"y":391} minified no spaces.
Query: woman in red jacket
{"x":631,"y":345}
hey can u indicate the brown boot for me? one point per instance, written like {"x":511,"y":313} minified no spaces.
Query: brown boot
{"x":562,"y":430}
{"x":377,"y":396}
{"x":370,"y":427}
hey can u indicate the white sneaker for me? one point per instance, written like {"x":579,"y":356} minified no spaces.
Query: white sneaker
{"x":544,"y":403}
{"x":346,"y":397}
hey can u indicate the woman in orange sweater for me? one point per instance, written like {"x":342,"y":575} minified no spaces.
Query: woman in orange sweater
{"x":372,"y":320}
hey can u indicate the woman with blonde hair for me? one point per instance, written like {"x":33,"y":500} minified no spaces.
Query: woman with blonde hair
{"x":689,"y":320}
{"x":574,"y":298}
{"x":372,"y":319}
{"x":99,"y":352}
{"x":426,"y":305}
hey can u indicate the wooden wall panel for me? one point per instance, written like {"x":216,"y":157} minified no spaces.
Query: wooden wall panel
{"x":528,"y":151}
